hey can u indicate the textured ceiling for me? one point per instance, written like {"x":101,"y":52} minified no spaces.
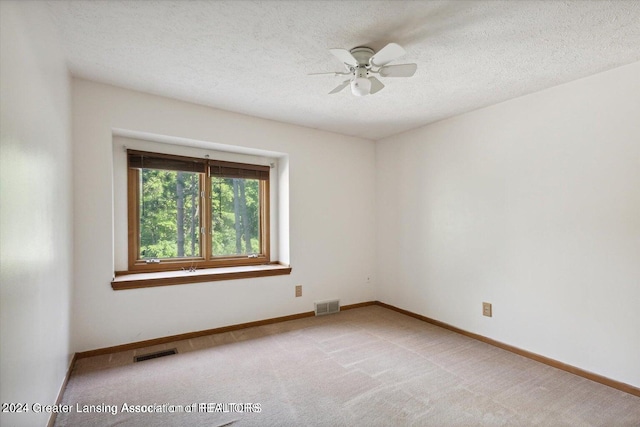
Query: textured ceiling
{"x":253,"y":57}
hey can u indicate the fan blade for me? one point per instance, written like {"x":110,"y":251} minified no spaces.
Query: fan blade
{"x":344,"y":56}
{"x":376,"y":85}
{"x":335,"y":73}
{"x":387,"y":54}
{"x":401,"y":70}
{"x":340,"y":87}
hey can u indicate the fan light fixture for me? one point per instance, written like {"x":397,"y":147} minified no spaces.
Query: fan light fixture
{"x":361,"y":85}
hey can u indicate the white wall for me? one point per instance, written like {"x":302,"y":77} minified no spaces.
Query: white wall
{"x":35,"y":213}
{"x":533,"y":205}
{"x":331,"y":225}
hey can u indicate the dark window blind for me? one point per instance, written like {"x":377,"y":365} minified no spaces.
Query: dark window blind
{"x":222,"y":169}
{"x":143,"y":160}
{"x":217,"y":168}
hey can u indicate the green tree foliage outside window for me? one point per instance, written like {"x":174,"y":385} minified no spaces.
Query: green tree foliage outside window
{"x":169,"y":214}
{"x":235,"y":216}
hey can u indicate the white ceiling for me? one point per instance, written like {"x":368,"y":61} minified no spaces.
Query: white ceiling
{"x":253,"y":57}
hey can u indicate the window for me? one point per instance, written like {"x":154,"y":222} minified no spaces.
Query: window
{"x":188,"y":213}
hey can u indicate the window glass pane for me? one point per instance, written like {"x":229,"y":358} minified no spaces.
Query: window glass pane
{"x":169,"y":214}
{"x":235,"y":216}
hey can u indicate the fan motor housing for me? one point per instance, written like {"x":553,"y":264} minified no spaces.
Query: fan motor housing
{"x":362,"y":54}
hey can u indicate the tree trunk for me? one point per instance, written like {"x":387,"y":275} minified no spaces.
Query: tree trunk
{"x":246,"y":221}
{"x":236,"y":211}
{"x":180,"y":214}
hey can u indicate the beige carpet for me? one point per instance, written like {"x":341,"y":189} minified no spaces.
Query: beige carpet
{"x":363,"y":367}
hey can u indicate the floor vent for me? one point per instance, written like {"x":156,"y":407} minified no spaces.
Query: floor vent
{"x":155,"y":355}
{"x":327,"y":307}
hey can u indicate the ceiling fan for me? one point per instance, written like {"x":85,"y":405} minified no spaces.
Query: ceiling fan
{"x":362,"y":62}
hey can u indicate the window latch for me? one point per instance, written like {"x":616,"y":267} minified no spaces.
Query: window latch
{"x":153,"y":261}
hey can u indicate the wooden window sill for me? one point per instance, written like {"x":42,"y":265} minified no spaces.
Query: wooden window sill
{"x":164,"y":278}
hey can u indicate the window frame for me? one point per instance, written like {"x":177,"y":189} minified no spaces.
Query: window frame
{"x":206,"y":260}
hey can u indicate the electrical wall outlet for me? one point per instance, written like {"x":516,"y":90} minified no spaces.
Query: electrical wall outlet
{"x":486,"y":309}
{"x":298,"y":291}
